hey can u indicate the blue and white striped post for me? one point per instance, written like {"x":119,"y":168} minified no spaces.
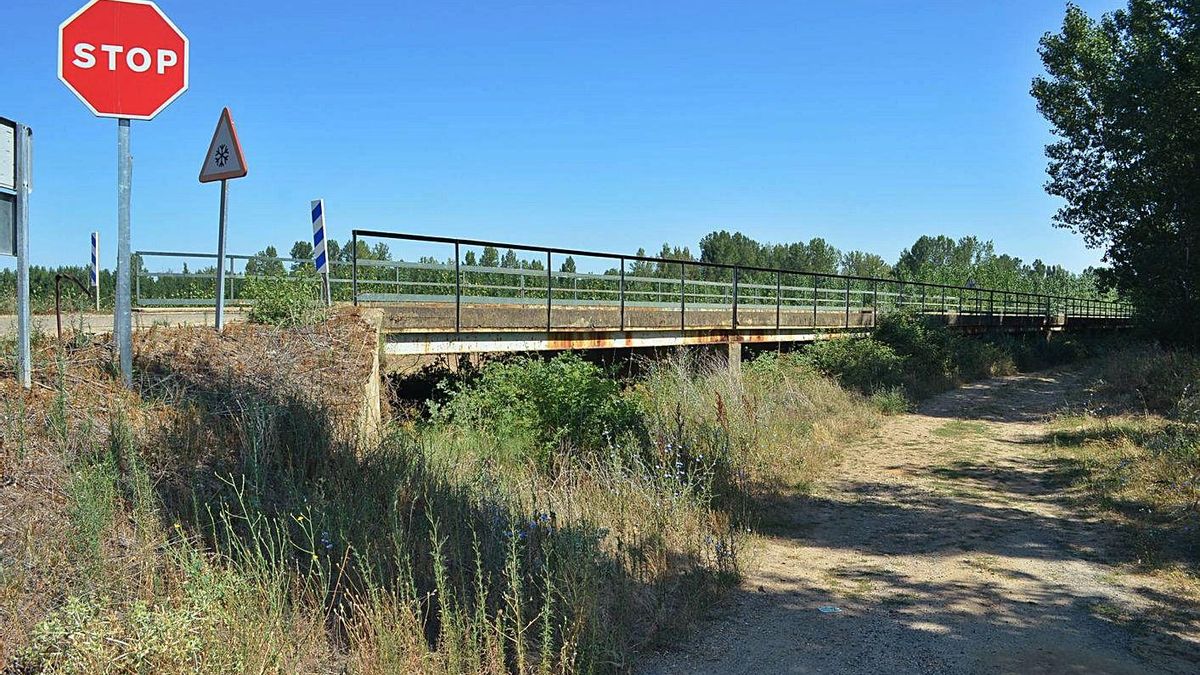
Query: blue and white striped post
{"x":95,"y":272}
{"x":320,"y":247}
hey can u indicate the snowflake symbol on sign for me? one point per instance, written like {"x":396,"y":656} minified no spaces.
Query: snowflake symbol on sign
{"x":222,"y":155}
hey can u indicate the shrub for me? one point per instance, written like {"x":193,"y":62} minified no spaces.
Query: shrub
{"x":918,"y":356}
{"x":928,"y":349}
{"x":284,"y":301}
{"x":865,"y":364}
{"x":890,"y":401}
{"x":536,"y":406}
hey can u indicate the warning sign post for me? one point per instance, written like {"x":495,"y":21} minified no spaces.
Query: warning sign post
{"x":223,"y":162}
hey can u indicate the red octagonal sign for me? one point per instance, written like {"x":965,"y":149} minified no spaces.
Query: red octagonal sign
{"x":123,"y":58}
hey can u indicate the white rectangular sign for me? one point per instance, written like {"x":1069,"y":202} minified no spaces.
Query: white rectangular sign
{"x":8,"y":224}
{"x":8,"y":156}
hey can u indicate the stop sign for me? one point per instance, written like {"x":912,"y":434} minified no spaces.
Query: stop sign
{"x":123,"y":58}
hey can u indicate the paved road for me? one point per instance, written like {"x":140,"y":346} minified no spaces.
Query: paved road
{"x":102,"y":323}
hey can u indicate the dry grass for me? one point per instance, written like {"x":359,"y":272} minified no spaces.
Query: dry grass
{"x":210,"y":521}
{"x":1138,"y":452}
{"x":780,"y":422}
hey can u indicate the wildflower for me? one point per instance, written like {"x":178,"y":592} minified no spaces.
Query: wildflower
{"x":326,"y":541}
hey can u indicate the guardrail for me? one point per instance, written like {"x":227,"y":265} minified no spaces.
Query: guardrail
{"x":686,"y":286}
{"x":172,"y":287}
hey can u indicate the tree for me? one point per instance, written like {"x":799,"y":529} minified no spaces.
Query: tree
{"x":863,"y":264}
{"x":265,"y":263}
{"x":302,"y":250}
{"x":730,"y":249}
{"x":939,"y":259}
{"x":362,"y":248}
{"x":822,"y":257}
{"x":568,"y":265}
{"x":1121,"y":94}
{"x":641,"y":268}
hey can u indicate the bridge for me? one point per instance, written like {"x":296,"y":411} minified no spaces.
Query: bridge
{"x":459,"y":296}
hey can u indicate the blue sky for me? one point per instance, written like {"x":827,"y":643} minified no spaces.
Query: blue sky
{"x":606,"y":125}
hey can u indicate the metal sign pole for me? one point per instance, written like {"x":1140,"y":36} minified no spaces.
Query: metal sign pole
{"x":24,"y":157}
{"x":122,"y":320}
{"x":221,"y":255}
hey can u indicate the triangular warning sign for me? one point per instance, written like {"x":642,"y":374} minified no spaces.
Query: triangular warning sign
{"x":224,"y":159}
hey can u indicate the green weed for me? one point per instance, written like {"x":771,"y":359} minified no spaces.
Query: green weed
{"x":284,"y":300}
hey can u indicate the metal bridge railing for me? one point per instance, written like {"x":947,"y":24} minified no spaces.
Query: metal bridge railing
{"x":624,"y":284}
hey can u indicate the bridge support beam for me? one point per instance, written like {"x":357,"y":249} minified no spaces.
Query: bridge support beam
{"x":734,"y":356}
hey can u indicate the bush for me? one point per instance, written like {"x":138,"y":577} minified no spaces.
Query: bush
{"x":284,"y":301}
{"x":536,"y":406}
{"x":890,"y":401}
{"x":865,"y":364}
{"x":917,"y":356}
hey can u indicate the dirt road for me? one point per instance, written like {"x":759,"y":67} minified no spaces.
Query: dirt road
{"x":950,"y":541}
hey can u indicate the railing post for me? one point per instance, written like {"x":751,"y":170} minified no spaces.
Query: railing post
{"x":778,"y":299}
{"x":924,"y":288}
{"x":736,"y":276}
{"x":549,"y":290}
{"x":621,"y":294}
{"x":354,"y":266}
{"x":682,"y":297}
{"x":814,"y":283}
{"x":847,"y":302}
{"x":991,"y":305}
{"x":874,"y":303}
{"x":943,"y":300}
{"x":457,"y":289}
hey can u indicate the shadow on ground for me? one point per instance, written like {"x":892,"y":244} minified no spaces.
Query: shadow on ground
{"x":988,"y":563}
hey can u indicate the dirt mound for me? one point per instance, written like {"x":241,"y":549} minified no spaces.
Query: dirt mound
{"x":324,"y":365}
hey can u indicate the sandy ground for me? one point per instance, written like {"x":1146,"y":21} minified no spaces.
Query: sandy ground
{"x":951,"y":542}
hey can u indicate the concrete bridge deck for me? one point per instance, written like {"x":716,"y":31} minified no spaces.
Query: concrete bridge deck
{"x":413,"y":328}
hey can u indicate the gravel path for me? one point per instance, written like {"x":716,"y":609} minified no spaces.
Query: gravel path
{"x":951,"y":543}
